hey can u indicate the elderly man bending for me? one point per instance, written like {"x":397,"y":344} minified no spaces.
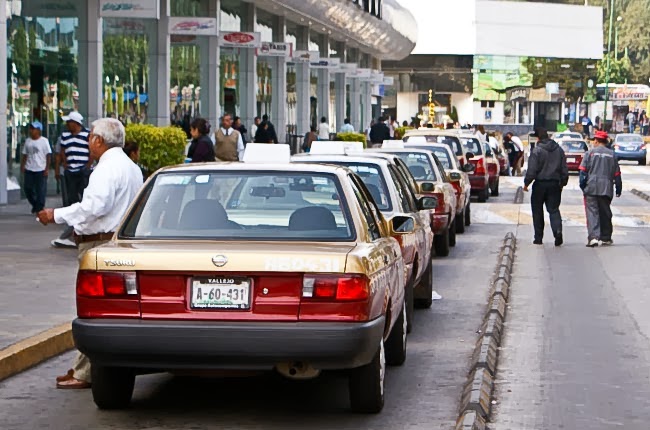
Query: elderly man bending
{"x":113,"y":185}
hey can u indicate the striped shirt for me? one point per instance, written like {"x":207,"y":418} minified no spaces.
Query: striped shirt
{"x":75,"y":147}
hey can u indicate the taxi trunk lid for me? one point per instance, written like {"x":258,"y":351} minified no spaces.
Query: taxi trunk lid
{"x":222,"y":280}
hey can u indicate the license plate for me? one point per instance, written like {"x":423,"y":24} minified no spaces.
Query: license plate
{"x":220,"y":293}
{"x":571,"y":160}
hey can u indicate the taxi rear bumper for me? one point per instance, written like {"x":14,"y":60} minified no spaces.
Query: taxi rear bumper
{"x":162,"y":345}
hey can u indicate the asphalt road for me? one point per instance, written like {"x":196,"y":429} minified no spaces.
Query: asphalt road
{"x":423,"y":394}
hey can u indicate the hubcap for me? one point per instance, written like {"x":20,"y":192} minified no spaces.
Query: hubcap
{"x":382,"y":367}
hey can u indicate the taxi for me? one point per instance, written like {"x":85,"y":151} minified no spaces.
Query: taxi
{"x":393,"y":198}
{"x":259,"y":265}
{"x":575,"y":151}
{"x":433,"y":135}
{"x":448,"y":217}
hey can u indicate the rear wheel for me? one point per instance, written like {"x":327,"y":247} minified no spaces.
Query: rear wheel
{"x":495,"y":190}
{"x":452,"y":233}
{"x":484,"y":195}
{"x":642,"y":162}
{"x":366,"y":384}
{"x":396,"y":343}
{"x":425,"y":289}
{"x":460,"y":223}
{"x":441,"y":244}
{"x":468,"y":215}
{"x":112,"y":387}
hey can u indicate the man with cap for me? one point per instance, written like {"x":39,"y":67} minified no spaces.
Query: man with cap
{"x":35,"y":166}
{"x":599,"y":173}
{"x":548,"y":170}
{"x":74,"y":156}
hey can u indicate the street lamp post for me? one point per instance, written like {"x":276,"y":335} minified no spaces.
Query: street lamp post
{"x":609,"y":50}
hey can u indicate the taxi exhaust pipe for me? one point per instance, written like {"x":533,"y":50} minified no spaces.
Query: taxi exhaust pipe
{"x":297,"y":370}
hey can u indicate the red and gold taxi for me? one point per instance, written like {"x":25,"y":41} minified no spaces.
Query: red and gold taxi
{"x":259,"y":265}
{"x":575,"y":151}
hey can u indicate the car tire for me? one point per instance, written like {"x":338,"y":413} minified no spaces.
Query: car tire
{"x":396,"y":342}
{"x":426,"y":288}
{"x":484,"y":195}
{"x":441,"y":244}
{"x":452,"y":233}
{"x":112,"y":387}
{"x":366,"y":384}
{"x":495,"y":190}
{"x":460,"y":223}
{"x":642,"y":162}
{"x":468,"y":215}
{"x":409,"y":301}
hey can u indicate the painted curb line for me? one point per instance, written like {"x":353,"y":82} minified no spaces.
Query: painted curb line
{"x":477,"y":397}
{"x":641,"y":194}
{"x":27,"y":353}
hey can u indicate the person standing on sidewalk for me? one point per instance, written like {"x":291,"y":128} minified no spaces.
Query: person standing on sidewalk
{"x":35,"y":166}
{"x":599,"y":173}
{"x":548,"y":170}
{"x":112,"y":187}
{"x":323,"y":129}
{"x":76,"y":161}
{"x":230,"y":145}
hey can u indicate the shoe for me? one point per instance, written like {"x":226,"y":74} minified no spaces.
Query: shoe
{"x":537,"y":242}
{"x":63,"y":243}
{"x":73,"y":384}
{"x":607,"y":242}
{"x":593,"y":243}
{"x":559,"y":240}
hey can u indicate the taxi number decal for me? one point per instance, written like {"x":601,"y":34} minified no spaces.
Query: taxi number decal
{"x":291,"y":264}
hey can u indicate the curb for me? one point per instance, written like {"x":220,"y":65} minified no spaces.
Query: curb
{"x":519,"y":195}
{"x":476,"y":400}
{"x":641,"y":194}
{"x":34,"y":350}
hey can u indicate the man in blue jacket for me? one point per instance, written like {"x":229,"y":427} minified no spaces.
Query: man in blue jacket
{"x":599,"y":173}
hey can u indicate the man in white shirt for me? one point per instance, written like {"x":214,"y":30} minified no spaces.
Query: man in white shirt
{"x":347,"y":127}
{"x":323,"y":129}
{"x":113,"y":185}
{"x":35,"y":165}
{"x":229,"y":145}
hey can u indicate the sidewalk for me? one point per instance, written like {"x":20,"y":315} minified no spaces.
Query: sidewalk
{"x":37,"y":289}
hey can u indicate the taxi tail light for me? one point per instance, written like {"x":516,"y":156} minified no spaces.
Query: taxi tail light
{"x":440,"y":209}
{"x":336,"y":288}
{"x":106,"y":284}
{"x":479,"y":166}
{"x":457,"y":188}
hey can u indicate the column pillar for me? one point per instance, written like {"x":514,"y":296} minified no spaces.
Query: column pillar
{"x":367,"y":104}
{"x":279,"y":81}
{"x":355,"y":93}
{"x":532,"y":113}
{"x":4,"y":169}
{"x":159,"y":64}
{"x":91,"y":74}
{"x":248,"y":69}
{"x":324,"y":85}
{"x":562,"y":116}
{"x":212,"y":109}
{"x":303,"y":84}
{"x":340,"y":92}
{"x":517,"y":119}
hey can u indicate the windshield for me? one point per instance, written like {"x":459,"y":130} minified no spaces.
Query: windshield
{"x":241,"y":205}
{"x":443,"y":155}
{"x":577,"y":146}
{"x":629,"y":139}
{"x":451,"y":141}
{"x":472,"y":144}
{"x":419,"y":165}
{"x":568,"y":136}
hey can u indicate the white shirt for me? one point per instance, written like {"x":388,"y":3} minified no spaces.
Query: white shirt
{"x":517,"y":142}
{"x":36,"y":152}
{"x":482,"y":137}
{"x":494,"y":144}
{"x":112,"y":187}
{"x":347,"y":128}
{"x":240,"y":141}
{"x":323,"y":131}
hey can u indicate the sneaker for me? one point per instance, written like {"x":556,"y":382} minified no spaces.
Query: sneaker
{"x":537,"y":242}
{"x":63,"y":243}
{"x":593,"y":243}
{"x":559,"y":240}
{"x":607,"y":242}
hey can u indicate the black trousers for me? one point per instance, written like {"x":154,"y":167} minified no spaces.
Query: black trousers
{"x":35,"y":189}
{"x":75,"y":183}
{"x":549,"y":194}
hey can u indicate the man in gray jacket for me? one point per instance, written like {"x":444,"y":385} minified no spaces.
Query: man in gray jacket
{"x":599,"y":172}
{"x":548,"y":170}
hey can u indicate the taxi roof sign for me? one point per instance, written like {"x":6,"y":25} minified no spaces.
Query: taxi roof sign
{"x":327,"y":147}
{"x":417,"y":139}
{"x":264,"y":153}
{"x":393,"y":144}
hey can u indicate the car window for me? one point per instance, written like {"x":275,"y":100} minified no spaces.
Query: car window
{"x":401,"y":193}
{"x":408,"y":188}
{"x":472,"y":144}
{"x":440,"y":167}
{"x":419,"y":165}
{"x":242,"y":205}
{"x":577,"y":146}
{"x":443,"y":155}
{"x":370,"y":212}
{"x":451,"y":141}
{"x":629,"y":139}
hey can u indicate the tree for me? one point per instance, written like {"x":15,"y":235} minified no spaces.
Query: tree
{"x":20,"y":53}
{"x":620,"y":71}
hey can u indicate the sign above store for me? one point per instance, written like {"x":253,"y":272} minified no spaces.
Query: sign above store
{"x":349,"y":68}
{"x":193,"y":26}
{"x":129,"y":9}
{"x":306,"y":57}
{"x":326,"y":63}
{"x":275,"y":49}
{"x":363,"y":74}
{"x":240,"y":39}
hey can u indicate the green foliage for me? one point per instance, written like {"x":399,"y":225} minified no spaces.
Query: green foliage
{"x":159,"y":146}
{"x":620,"y":71}
{"x":352,"y":137}
{"x":401,"y":131}
{"x":454,"y":114}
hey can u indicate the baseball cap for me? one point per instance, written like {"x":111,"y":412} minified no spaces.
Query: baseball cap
{"x":37,"y":125}
{"x":601,"y":135}
{"x":74,"y":117}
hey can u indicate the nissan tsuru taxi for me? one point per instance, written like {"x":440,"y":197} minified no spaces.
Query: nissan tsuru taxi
{"x":393,"y":198}
{"x":264,"y":264}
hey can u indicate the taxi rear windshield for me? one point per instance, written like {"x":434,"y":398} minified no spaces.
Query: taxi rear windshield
{"x":577,"y":146}
{"x":419,"y":165}
{"x":241,"y":206}
{"x":451,"y":141}
{"x":441,"y":153}
{"x":472,"y":145}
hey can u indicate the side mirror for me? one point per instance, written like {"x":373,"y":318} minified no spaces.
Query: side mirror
{"x":468,"y":168}
{"x":469,"y":155}
{"x":428,"y":203}
{"x":402,"y":224}
{"x":455,"y":176}
{"x":427,"y":187}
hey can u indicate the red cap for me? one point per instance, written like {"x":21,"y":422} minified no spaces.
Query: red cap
{"x":601,"y":135}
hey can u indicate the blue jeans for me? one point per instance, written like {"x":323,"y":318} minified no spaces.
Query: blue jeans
{"x":631,"y":128}
{"x":35,"y":189}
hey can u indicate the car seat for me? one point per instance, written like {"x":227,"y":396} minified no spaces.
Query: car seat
{"x":312,"y":218}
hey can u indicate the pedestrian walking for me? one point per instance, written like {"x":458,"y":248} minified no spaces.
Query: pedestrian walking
{"x":270,"y":129}
{"x":230,"y":145}
{"x":631,"y":121}
{"x":599,"y":174}
{"x":548,"y":172}
{"x":379,"y":132}
{"x":35,"y":166}
{"x":481,"y":134}
{"x":201,"y":149}
{"x":586,"y":126}
{"x":310,"y":138}
{"x":241,"y":128}
{"x":323,"y":129}
{"x":112,"y":187}
{"x":347,"y":127}
{"x":256,"y":123}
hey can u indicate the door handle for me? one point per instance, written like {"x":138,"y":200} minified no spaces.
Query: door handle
{"x":385,"y":259}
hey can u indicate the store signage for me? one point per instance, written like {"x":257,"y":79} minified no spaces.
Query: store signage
{"x":363,"y":74}
{"x":49,"y":8}
{"x":240,"y":39}
{"x":518,"y":94}
{"x":389,"y":81}
{"x":376,"y":77}
{"x":129,"y":9}
{"x":124,"y":26}
{"x":326,"y":63}
{"x":193,"y":26}
{"x":306,"y":57}
{"x":349,"y":68}
{"x":275,"y":49}
{"x":552,"y":87}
